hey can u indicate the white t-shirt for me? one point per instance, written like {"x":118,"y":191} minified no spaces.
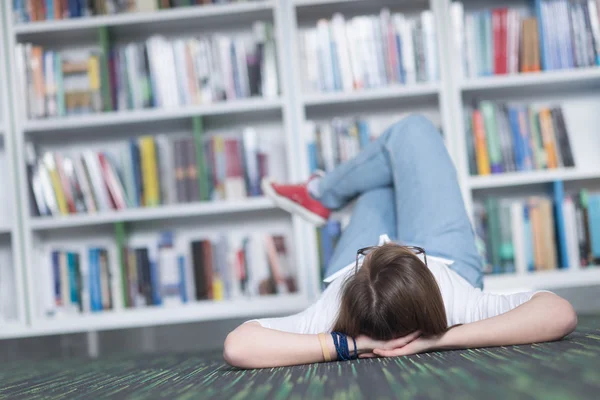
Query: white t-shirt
{"x":463,"y":302}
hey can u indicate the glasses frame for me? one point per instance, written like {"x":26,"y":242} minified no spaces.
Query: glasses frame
{"x":416,"y":249}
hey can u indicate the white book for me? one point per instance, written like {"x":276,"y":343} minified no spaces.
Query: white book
{"x":131,"y":56}
{"x":327,"y":147}
{"x":22,"y":75}
{"x":405,"y":28}
{"x":316,"y":79}
{"x":168,"y":59}
{"x":50,"y":83}
{"x":242,"y":66}
{"x":517,"y":214}
{"x":181,"y":72}
{"x":82,"y":178}
{"x":45,"y":283}
{"x":194,"y":84}
{"x":168,"y":267}
{"x":250,"y":148}
{"x":388,"y":41}
{"x":166,"y":169}
{"x":224,"y":46}
{"x":235,"y":244}
{"x":47,"y":189}
{"x":471,"y":47}
{"x":269,"y":74}
{"x":513,"y":32}
{"x":595,"y":24}
{"x":367,"y":52}
{"x":338,"y":31}
{"x":354,"y":50}
{"x":208,"y":75}
{"x":430,"y":40}
{"x":8,"y":293}
{"x":377,"y":46}
{"x":325,"y":56}
{"x":457,"y":14}
{"x":145,"y":5}
{"x":570,"y":217}
{"x":97,"y":182}
{"x":36,"y":185}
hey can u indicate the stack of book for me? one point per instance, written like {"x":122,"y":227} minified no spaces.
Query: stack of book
{"x":560,"y":34}
{"x":329,"y":144}
{"x":167,"y":273}
{"x":48,"y":10}
{"x":538,"y":233}
{"x":507,"y":138}
{"x":148,"y":171}
{"x":160,"y":72}
{"x":8,"y":295}
{"x":369,"y":51}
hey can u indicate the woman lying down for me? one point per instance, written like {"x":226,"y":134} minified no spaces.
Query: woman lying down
{"x":421,"y":292}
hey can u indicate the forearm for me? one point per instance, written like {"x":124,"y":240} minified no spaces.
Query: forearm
{"x":545,"y":317}
{"x":252,"y":346}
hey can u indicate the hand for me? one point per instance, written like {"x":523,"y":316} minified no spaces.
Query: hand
{"x":366,"y":345}
{"x":421,"y":344}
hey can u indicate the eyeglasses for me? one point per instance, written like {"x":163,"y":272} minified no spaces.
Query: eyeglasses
{"x":366,"y":250}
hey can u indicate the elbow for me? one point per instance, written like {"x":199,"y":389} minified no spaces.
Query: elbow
{"x":566,"y":320}
{"x":234,"y":350}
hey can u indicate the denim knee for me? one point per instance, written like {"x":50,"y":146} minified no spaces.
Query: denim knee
{"x":416,"y":129}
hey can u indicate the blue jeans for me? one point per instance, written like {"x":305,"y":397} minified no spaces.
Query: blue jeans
{"x":406,"y":186}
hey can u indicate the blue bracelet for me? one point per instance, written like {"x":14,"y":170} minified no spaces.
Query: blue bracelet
{"x":340,"y":342}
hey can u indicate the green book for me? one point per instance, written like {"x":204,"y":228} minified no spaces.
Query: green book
{"x":105,"y":83}
{"x":198,"y":130}
{"x":493,"y":217}
{"x":492,"y":135}
{"x":539,"y":152}
{"x":121,"y":238}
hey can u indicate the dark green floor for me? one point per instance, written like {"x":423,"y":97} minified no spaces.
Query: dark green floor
{"x":569,"y":369}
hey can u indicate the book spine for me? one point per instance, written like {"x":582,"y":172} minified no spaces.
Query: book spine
{"x":203,"y":184}
{"x":594,"y":226}
{"x":559,"y":195}
{"x":105,"y":83}
{"x":547,"y":131}
{"x":564,"y":145}
{"x":149,"y":171}
{"x":493,"y":142}
{"x":541,"y":21}
{"x":481,"y":148}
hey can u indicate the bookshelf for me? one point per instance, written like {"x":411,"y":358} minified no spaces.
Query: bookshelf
{"x":190,"y":221}
{"x":572,"y":89}
{"x":280,"y":119}
{"x":13,"y":315}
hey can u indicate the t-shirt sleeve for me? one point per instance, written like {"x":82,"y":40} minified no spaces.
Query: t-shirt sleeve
{"x":465,"y":304}
{"x":317,"y":318}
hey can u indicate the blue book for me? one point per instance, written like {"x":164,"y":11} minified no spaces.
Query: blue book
{"x":561,"y":235}
{"x":155,"y":283}
{"x":541,"y":34}
{"x":513,"y":119}
{"x":528,"y":239}
{"x":73,"y":277}
{"x":594,"y":224}
{"x":401,"y":70}
{"x":526,"y":140}
{"x":73,"y":8}
{"x":56,"y":276}
{"x":182,"y":278}
{"x":364,"y":134}
{"x":49,"y":10}
{"x":137,"y":173}
{"x":94,"y":280}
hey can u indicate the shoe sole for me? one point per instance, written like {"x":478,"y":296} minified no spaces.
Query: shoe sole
{"x":289,"y":205}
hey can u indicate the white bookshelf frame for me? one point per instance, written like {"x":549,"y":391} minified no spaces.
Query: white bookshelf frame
{"x":293,"y":105}
{"x":11,"y":228}
{"x":194,"y":311}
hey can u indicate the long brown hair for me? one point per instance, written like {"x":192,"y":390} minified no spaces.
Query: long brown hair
{"x":391,"y":295}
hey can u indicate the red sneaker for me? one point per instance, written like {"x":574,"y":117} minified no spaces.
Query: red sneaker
{"x":296,"y":199}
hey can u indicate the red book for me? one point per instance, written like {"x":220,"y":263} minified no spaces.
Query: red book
{"x":503,"y":41}
{"x":64,"y":182}
{"x":497,"y":32}
{"x":110,"y":180}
